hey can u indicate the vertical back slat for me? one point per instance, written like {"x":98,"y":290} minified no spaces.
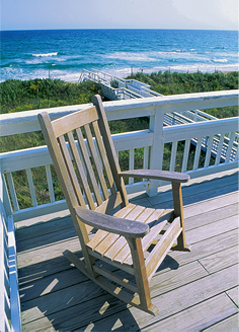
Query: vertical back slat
{"x":104,"y":157}
{"x":63,"y":166}
{"x":95,"y":158}
{"x":80,"y":170}
{"x":71,"y":170}
{"x":88,"y":166}
{"x":109,"y":147}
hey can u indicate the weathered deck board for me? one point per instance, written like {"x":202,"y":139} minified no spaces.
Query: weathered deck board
{"x":227,"y":325}
{"x":198,"y":317}
{"x":187,"y":288}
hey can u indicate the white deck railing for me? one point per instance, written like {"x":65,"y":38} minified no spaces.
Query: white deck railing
{"x":202,"y":134}
{"x":9,"y":295}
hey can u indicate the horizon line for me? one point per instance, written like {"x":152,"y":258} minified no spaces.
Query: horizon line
{"x":68,"y":29}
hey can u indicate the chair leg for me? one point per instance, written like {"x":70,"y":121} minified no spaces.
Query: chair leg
{"x":141,"y":276}
{"x":178,"y":211}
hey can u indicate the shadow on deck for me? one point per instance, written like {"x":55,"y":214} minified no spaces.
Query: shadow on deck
{"x":194,"y":291}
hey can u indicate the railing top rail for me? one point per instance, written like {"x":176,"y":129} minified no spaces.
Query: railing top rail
{"x":22,"y":122}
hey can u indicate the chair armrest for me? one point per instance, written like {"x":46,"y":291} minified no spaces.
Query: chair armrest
{"x":125,"y":227}
{"x":157,"y":175}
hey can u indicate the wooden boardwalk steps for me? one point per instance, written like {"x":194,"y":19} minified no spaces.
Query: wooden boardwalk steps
{"x":196,"y":291}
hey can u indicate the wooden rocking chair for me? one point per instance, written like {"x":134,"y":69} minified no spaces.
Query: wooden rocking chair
{"x":135,"y":239}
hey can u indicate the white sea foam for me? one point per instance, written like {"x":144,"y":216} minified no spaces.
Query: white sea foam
{"x":129,"y":56}
{"x":46,"y":54}
{"x":219,"y":60}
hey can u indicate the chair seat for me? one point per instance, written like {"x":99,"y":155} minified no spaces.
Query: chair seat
{"x":115,"y":248}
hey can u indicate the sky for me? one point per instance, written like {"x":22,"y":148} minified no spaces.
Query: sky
{"x":119,"y":14}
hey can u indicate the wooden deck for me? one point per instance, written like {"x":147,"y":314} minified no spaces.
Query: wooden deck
{"x":194,"y":291}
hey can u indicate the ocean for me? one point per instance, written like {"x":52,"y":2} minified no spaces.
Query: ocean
{"x":63,"y":54}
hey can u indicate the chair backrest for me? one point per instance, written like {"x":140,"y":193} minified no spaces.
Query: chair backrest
{"x":85,"y":159}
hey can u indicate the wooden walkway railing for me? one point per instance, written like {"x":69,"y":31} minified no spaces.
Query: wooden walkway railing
{"x":116,"y":88}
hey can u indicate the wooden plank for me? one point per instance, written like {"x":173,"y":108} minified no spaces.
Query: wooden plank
{"x":47,"y":239}
{"x":72,"y":121}
{"x":116,"y":308}
{"x":41,"y":228}
{"x":57,"y":301}
{"x":195,"y":193}
{"x":104,"y":157}
{"x":88,"y":165}
{"x":210,"y":230}
{"x":70,"y":168}
{"x":81,"y":172}
{"x":198,"y":317}
{"x":210,"y":203}
{"x":101,"y":235}
{"x":175,"y":277}
{"x":150,"y":237}
{"x":120,"y":250}
{"x":49,"y":284}
{"x":207,"y":217}
{"x":108,"y":205}
{"x":109,"y":147}
{"x":200,"y":250}
{"x":114,"y":277}
{"x":43,"y":254}
{"x":106,"y":243}
{"x":95,"y":157}
{"x":140,"y":273}
{"x":175,"y":301}
{"x":157,"y":175}
{"x":169,"y":304}
{"x":155,"y":217}
{"x":229,"y":324}
{"x":125,"y":227}
{"x":234,"y":295}
{"x":207,"y":247}
{"x":220,"y":260}
{"x":157,"y":255}
{"x":116,"y":248}
{"x":98,"y":237}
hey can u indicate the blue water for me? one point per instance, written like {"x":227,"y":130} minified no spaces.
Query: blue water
{"x":64,"y":53}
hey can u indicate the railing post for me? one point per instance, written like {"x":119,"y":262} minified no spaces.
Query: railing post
{"x":156,"y":150}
